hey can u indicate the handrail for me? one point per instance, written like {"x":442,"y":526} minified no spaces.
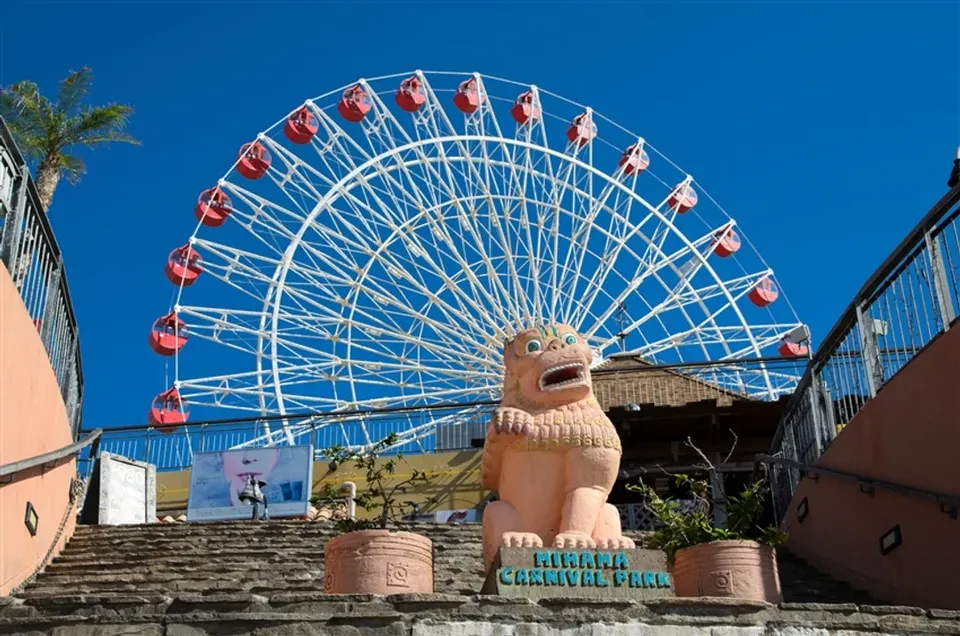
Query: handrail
{"x":893,"y":262}
{"x":8,"y":471}
{"x":949,"y":504}
{"x":26,"y":233}
{"x":872,"y":286}
{"x":908,"y":301}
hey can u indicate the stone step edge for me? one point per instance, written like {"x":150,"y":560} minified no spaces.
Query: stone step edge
{"x":699,"y":611}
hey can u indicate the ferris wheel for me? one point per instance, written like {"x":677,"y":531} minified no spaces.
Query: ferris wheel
{"x":374,"y":247}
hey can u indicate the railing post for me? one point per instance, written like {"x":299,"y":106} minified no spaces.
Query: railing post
{"x":70,"y":391}
{"x":940,"y":286}
{"x":816,"y":417}
{"x":870,"y":351}
{"x":12,"y":227}
{"x":50,"y":306}
{"x":829,"y":416}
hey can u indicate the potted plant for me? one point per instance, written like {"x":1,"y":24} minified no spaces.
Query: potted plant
{"x":734,"y":559}
{"x":369,"y":557}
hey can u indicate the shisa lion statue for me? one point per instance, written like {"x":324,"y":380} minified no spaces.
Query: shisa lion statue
{"x":551,"y":453}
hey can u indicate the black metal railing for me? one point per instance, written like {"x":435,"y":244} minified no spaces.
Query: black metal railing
{"x":908,"y":301}
{"x":29,"y":250}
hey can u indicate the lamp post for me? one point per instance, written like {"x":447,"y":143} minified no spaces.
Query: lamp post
{"x":252,"y":495}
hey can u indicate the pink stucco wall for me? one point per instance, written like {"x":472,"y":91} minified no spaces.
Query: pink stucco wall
{"x":33,"y":420}
{"x":909,"y":434}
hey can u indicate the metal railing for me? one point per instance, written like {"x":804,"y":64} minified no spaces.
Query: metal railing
{"x":29,"y":250}
{"x":9,"y":472}
{"x":440,"y":428}
{"x":908,"y":301}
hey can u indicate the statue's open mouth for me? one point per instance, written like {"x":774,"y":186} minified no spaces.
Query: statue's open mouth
{"x":562,"y":376}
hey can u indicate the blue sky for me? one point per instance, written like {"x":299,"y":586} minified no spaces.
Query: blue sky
{"x":827,"y":129}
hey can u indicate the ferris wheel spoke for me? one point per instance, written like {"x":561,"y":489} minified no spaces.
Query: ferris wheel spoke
{"x":733,"y":289}
{"x":643,"y":271}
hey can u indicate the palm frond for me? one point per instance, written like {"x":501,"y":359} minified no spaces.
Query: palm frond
{"x":100,"y":124}
{"x":115,"y":136}
{"x":73,"y":89}
{"x":72,"y":167}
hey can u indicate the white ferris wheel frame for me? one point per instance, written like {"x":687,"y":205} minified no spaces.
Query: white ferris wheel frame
{"x":433,"y":119}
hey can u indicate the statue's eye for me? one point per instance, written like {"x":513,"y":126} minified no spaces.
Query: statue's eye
{"x":570,"y":339}
{"x":534,"y":345}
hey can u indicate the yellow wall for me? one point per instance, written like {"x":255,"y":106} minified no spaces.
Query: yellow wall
{"x":455,"y":484}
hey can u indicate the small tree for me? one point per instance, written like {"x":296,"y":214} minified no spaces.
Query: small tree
{"x":381,"y":495}
{"x":685,"y":527}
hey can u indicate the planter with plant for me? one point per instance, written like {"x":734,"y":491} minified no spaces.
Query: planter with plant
{"x":736,"y":558}
{"x":369,"y":557}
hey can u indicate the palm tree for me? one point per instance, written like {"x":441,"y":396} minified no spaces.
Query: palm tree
{"x":47,"y":132}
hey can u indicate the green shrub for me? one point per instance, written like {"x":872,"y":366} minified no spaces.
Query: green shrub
{"x":380,"y":495}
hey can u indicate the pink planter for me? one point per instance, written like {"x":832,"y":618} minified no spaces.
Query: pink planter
{"x":378,"y":562}
{"x":737,"y":569}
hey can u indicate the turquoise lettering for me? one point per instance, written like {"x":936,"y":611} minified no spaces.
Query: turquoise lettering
{"x":588,"y":579}
{"x":536,"y":577}
{"x":636,"y":580}
{"x":663,"y":579}
{"x":506,"y":576}
{"x":619,"y":578}
{"x":556,"y":559}
{"x":604,"y":560}
{"x":570,"y":560}
{"x":649,"y":579}
{"x":551,"y":577}
{"x":542,"y":559}
{"x":573,"y":577}
{"x":587,"y":561}
{"x":620,"y":561}
{"x":602,"y":582}
{"x":522,"y":578}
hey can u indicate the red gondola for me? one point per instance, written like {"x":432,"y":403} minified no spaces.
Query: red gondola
{"x":213,"y":207}
{"x":301,"y":126}
{"x":168,"y":335}
{"x":582,"y":129}
{"x":184,"y":265}
{"x":764,"y":293}
{"x":683,"y":198}
{"x":410,"y":96}
{"x":254,"y":160}
{"x":467,"y":98}
{"x":787,"y":348}
{"x":168,"y":411}
{"x":728,"y":242}
{"x":354,"y":104}
{"x":634,"y":159}
{"x":524,"y":109}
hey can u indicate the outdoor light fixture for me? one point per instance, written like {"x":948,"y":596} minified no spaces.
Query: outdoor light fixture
{"x":31,"y":519}
{"x":252,"y":495}
{"x":803,"y":509}
{"x":890,"y":540}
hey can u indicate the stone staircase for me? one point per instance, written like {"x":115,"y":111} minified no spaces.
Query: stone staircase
{"x":270,"y":575}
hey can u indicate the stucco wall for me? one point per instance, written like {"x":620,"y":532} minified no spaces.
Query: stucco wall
{"x":33,"y":420}
{"x":909,"y":434}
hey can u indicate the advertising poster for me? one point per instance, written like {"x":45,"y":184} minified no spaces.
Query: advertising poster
{"x":218,"y":478}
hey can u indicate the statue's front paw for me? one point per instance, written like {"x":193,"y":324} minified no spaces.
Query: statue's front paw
{"x":511,"y":421}
{"x":574,"y":540}
{"x":616,"y":543}
{"x":521,"y":540}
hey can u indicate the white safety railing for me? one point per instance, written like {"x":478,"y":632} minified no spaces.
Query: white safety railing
{"x":911,"y":298}
{"x":29,"y":250}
